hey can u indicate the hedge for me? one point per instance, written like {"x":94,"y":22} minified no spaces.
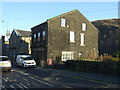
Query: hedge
{"x":106,"y":67}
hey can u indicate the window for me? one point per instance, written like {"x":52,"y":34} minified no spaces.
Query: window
{"x":87,"y":54}
{"x":39,"y":36}
{"x":34,"y":37}
{"x":82,"y":39}
{"x":72,"y":36}
{"x":63,"y":22}
{"x":83,"y":26}
{"x":43,"y":35}
{"x":66,"y":55}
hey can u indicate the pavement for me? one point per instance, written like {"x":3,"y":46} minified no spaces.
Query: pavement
{"x":85,"y":75}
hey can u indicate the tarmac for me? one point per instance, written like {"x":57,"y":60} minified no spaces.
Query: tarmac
{"x":113,"y":79}
{"x":85,"y":75}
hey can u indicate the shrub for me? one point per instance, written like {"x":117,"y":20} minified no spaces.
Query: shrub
{"x":107,"y":67}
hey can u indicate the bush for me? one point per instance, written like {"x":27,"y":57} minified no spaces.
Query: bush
{"x":117,"y":54}
{"x":106,"y":67}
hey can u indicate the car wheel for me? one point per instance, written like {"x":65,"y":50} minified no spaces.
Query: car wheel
{"x":34,"y":67}
{"x":23,"y":66}
{"x":17,"y":65}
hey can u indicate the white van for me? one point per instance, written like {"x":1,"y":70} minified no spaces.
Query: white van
{"x":25,"y":61}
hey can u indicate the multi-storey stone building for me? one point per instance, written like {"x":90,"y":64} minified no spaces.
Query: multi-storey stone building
{"x":69,"y":36}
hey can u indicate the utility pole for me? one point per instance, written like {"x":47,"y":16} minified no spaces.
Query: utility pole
{"x":7,"y":24}
{"x":6,"y":41}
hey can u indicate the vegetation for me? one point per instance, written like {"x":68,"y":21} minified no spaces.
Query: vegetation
{"x":108,"y":65}
{"x":104,"y":67}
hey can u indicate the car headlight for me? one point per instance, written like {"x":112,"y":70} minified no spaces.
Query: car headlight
{"x":33,"y":62}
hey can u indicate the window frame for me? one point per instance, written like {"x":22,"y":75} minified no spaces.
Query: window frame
{"x":72,"y":36}
{"x":34,"y":37}
{"x":39,"y":36}
{"x":67,"y":55}
{"x":82,"y":39}
{"x":84,"y":26}
{"x":63,"y":22}
{"x":43,"y":34}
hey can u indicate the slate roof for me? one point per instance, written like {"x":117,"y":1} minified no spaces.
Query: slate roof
{"x":23,"y":33}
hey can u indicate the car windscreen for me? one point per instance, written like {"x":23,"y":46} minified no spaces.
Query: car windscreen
{"x":4,"y":59}
{"x":27,"y":58}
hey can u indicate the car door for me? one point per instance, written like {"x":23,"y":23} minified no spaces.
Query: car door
{"x":20,"y":61}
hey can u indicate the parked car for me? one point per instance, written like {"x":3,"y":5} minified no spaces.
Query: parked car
{"x":25,"y":61}
{"x":5,"y":63}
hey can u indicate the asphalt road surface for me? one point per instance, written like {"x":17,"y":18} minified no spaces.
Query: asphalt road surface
{"x":30,"y":78}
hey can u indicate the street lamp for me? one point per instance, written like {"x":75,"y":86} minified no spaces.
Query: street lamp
{"x":7,"y":24}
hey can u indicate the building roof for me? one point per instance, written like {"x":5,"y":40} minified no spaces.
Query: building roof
{"x":67,"y":13}
{"x":23,"y":33}
{"x":58,"y":16}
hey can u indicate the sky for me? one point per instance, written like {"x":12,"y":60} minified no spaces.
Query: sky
{"x":25,"y":15}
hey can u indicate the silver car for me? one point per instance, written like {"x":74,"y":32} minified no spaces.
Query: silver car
{"x":5,"y":63}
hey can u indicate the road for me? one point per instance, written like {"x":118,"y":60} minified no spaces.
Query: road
{"x":29,"y":78}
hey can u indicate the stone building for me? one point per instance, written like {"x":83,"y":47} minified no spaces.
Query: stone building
{"x":20,"y":42}
{"x":5,"y":44}
{"x":69,"y":36}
